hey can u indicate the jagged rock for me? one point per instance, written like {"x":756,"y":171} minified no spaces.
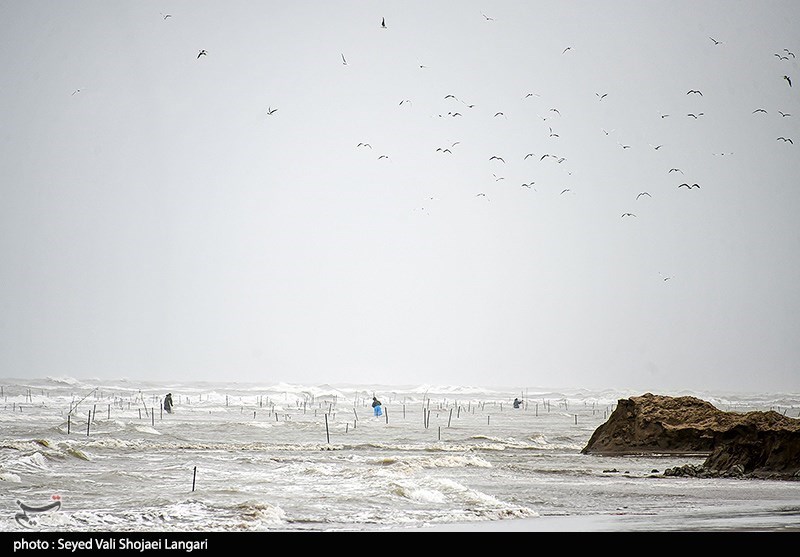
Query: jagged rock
{"x":752,"y":444}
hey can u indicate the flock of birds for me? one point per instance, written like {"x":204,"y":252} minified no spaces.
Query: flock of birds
{"x":784,"y":55}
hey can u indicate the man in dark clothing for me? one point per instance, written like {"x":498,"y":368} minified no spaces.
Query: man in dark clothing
{"x":168,"y":403}
{"x":376,"y":406}
{"x":517,"y":403}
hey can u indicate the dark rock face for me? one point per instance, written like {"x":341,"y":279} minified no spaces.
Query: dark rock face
{"x":752,"y":444}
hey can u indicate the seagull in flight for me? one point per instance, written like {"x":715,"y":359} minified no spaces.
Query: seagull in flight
{"x":643,"y":193}
{"x":623,"y":146}
{"x":566,"y":49}
{"x":781,"y":57}
{"x":497,"y":178}
{"x":675,"y":170}
{"x":785,"y":139}
{"x":784,"y":114}
{"x":167,"y":15}
{"x":498,"y":114}
{"x":690,"y":91}
{"x":695,"y":116}
{"x":271,"y":111}
{"x":344,"y":61}
{"x":656,"y":147}
{"x":364,"y":145}
{"x":565,"y":190}
{"x":716,"y":42}
{"x":480,"y":195}
{"x":495,"y":157}
{"x":530,"y":95}
{"x":787,"y":78}
{"x":486,"y":17}
{"x":759,"y":110}
{"x":685,"y":185}
{"x":202,"y":53}
{"x":529,"y":155}
{"x":383,"y":157}
{"x":787,"y":51}
{"x":601,"y":96}
{"x":553,"y":134}
{"x":628,"y":215}
{"x":383,"y":22}
{"x":529,"y":186}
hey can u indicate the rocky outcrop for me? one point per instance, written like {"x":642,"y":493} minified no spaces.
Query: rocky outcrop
{"x":752,"y":444}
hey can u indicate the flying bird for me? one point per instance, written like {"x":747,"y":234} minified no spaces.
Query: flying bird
{"x":565,"y":190}
{"x":555,"y":110}
{"x":344,"y":61}
{"x":404,"y":101}
{"x":444,"y":150}
{"x":675,"y":170}
{"x":383,"y":22}
{"x":202,"y":53}
{"x":656,"y":147}
{"x":566,"y":49}
{"x":780,"y":57}
{"x":167,"y":15}
{"x":543,"y":157}
{"x":498,"y":114}
{"x":643,"y":193}
{"x":530,"y":95}
{"x":786,"y":50}
{"x":364,"y":145}
{"x":685,"y":185}
{"x":784,"y":114}
{"x":759,"y":110}
{"x":695,"y":116}
{"x":628,"y":215}
{"x":553,"y":134}
{"x":529,"y":155}
{"x":271,"y":111}
{"x":715,"y":40}
{"x":606,"y":132}
{"x":528,"y":185}
{"x":75,"y":91}
{"x":486,"y":17}
{"x":623,"y":146}
{"x":785,"y":139}
{"x":480,"y":195}
{"x":495,"y":157}
{"x":497,"y":178}
{"x":450,"y":97}
{"x":694,"y":91}
{"x":383,"y":157}
{"x":787,"y":78}
{"x":601,"y":96}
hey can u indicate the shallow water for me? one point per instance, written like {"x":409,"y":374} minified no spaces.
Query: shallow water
{"x":238,"y":457}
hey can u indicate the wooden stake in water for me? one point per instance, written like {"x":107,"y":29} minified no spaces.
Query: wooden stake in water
{"x":386,"y":413}
{"x":194,"y":477}
{"x":450,"y":417}
{"x":109,"y":411}
{"x":327,"y":432}
{"x":68,"y":422}
{"x":440,"y":433}
{"x":88,"y":423}
{"x":576,"y":419}
{"x":153,"y":418}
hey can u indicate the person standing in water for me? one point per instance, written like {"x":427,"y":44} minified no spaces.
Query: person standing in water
{"x":376,"y":406}
{"x":168,"y":403}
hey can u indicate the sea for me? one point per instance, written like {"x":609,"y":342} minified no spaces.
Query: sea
{"x":104,"y":456}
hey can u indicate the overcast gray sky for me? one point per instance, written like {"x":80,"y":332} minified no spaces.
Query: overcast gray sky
{"x":157,"y":223}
